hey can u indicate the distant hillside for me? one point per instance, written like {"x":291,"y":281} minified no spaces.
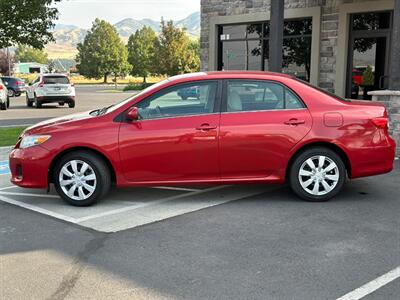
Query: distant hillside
{"x":68,"y":36}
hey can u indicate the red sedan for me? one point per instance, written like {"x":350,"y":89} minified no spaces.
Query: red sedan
{"x":244,"y":127}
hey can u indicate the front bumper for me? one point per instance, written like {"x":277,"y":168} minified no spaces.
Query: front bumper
{"x":29,"y":167}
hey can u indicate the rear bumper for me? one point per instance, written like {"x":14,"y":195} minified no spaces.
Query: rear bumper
{"x":373,"y":160}
{"x":51,"y":99}
{"x":29,"y":167}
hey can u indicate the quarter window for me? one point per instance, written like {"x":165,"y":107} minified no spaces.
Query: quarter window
{"x":259,"y":96}
{"x":180,"y":100}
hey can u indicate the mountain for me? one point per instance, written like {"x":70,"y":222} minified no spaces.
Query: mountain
{"x":68,"y":36}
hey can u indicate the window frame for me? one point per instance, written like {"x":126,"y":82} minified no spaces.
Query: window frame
{"x":216,"y":108}
{"x":224,"y":104}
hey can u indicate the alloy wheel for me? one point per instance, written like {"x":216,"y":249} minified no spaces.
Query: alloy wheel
{"x":318,"y":175}
{"x":77,"y":180}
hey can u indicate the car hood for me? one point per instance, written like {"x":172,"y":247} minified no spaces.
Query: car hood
{"x":56,"y":123}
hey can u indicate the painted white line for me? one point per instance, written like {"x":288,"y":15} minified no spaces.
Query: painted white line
{"x":372,"y":286}
{"x":37,"y":209}
{"x":17,"y":125}
{"x":8,"y":187}
{"x":133,"y":207}
{"x":29,"y":195}
{"x":173,"y":188}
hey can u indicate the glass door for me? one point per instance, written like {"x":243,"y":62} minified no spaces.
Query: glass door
{"x":369,"y":48}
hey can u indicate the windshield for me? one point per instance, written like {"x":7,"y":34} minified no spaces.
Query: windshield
{"x":323,"y":91}
{"x":55,"y":80}
{"x":146,"y":90}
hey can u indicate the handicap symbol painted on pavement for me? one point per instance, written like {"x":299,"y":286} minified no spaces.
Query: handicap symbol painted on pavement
{"x":4,"y":168}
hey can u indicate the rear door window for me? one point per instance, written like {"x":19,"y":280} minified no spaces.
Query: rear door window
{"x":246,"y":95}
{"x":56,"y":80}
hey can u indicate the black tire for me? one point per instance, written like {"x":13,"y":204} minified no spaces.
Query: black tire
{"x":29,"y":103}
{"x":61,"y":103}
{"x":17,"y":94}
{"x":300,"y":161}
{"x":71,"y":104}
{"x":38,"y":104}
{"x":3,"y":106}
{"x":8,"y":102}
{"x":97,"y":164}
{"x":11,"y":93}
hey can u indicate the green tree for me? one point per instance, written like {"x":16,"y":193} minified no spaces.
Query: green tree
{"x":102,"y":53}
{"x":368,"y":77}
{"x":141,"y":51}
{"x":174,"y":52}
{"x":29,"y":54}
{"x":26,"y":22}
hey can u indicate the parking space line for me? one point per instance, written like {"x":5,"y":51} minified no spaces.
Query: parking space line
{"x":133,"y":207}
{"x":8,"y":187}
{"x":29,"y":195}
{"x":173,"y":188}
{"x":372,"y":286}
{"x":37,"y":209}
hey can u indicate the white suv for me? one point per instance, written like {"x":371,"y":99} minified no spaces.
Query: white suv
{"x":4,"y":100}
{"x":50,"y":88}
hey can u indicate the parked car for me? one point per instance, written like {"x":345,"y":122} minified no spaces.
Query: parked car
{"x":50,"y":88}
{"x":295,"y":133}
{"x":190,"y":92}
{"x":4,"y":99}
{"x":15,"y":86}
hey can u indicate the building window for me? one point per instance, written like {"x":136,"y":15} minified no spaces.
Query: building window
{"x":246,"y":47}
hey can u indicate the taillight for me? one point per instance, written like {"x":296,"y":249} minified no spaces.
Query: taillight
{"x":1,"y":87}
{"x":381,"y":122}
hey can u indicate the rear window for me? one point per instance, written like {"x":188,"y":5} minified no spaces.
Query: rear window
{"x":323,"y":91}
{"x":56,"y":79}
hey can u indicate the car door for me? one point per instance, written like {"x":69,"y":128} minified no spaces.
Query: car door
{"x":261,"y":122}
{"x":176,"y":136}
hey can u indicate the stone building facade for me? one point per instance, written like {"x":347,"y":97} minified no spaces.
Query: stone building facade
{"x":330,"y":31}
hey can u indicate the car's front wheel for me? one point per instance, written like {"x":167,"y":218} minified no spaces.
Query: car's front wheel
{"x":317,"y":174}
{"x":82,"y":178}
{"x":29,"y":103}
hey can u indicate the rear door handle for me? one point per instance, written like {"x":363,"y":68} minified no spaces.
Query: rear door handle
{"x":294,"y":122}
{"x":206,"y":127}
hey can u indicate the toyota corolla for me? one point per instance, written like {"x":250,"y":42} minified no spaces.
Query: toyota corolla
{"x":243,"y":127}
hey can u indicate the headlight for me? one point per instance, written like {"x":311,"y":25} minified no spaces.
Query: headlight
{"x":33,"y":140}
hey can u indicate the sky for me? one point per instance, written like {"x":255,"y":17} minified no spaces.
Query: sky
{"x":83,"y":12}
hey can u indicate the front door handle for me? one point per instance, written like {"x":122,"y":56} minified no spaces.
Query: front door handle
{"x":206,"y":127}
{"x":294,"y":122}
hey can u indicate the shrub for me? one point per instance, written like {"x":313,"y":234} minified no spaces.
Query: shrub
{"x":136,"y":87}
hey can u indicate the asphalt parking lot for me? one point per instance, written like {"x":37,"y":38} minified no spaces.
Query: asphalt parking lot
{"x":231,"y":242}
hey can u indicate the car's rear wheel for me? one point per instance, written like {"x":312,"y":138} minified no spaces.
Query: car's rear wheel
{"x":82,"y":178}
{"x":3,"y":106}
{"x":8,"y":102}
{"x":38,"y":104}
{"x":10,"y":93}
{"x":71,"y":104}
{"x":28,"y":101}
{"x":317,"y":174}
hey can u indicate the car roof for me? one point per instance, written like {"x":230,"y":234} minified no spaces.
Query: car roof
{"x":53,"y":74}
{"x":228,"y":75}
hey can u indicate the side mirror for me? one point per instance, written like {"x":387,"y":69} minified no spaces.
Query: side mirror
{"x":132,"y":114}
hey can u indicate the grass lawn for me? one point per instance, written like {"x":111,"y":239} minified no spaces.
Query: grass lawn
{"x":8,"y":136}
